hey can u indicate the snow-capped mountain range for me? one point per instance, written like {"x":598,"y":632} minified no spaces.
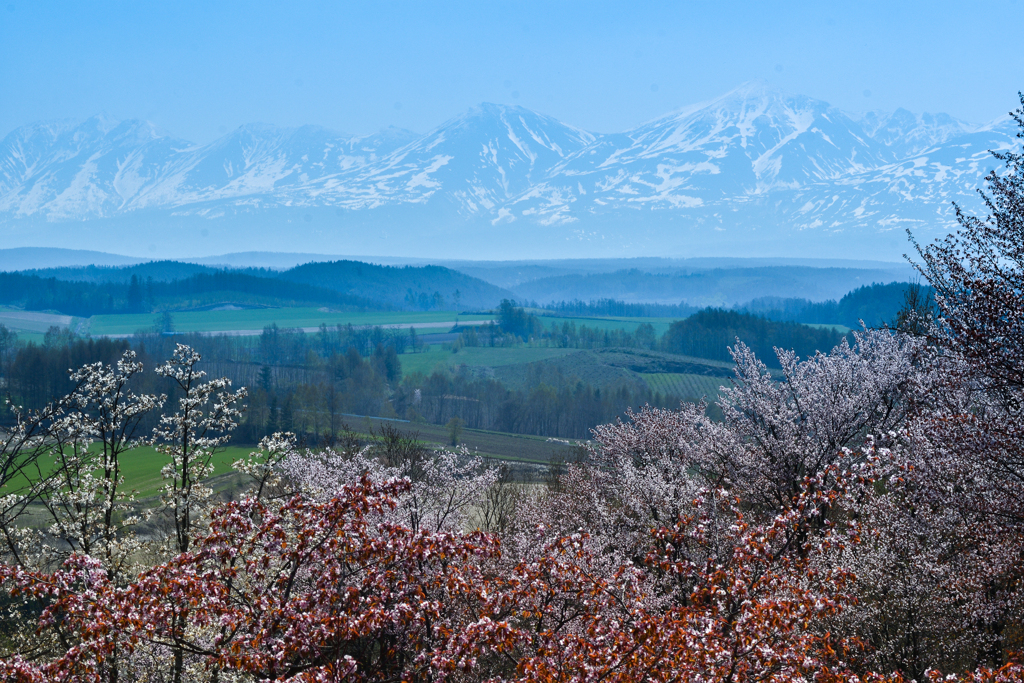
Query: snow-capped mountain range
{"x":754,"y":172}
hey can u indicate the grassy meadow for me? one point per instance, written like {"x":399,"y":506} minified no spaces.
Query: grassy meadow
{"x":258,"y":318}
{"x":427,"y":360}
{"x":685,"y":385}
{"x":141,"y":468}
{"x":660,"y":325}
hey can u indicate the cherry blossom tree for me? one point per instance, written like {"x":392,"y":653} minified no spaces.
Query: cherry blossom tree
{"x":91,"y":513}
{"x":964,"y":459}
{"x":299,"y":591}
{"x":207,"y":413}
{"x":777,"y":431}
{"x":447,"y":486}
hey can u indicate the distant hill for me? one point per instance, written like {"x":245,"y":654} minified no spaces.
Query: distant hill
{"x":26,"y":258}
{"x":352,"y":285}
{"x":875,"y":305}
{"x":512,"y":274}
{"x":159,"y":271}
{"x":400,"y":286}
{"x":715,"y":287}
{"x":202,"y":290}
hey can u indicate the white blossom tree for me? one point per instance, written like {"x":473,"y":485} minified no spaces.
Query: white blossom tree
{"x":207,"y":412}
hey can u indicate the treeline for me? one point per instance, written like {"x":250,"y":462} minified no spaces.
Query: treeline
{"x":160,"y":271}
{"x":710,"y":333}
{"x":308,"y":383}
{"x":875,"y":304}
{"x":311,"y":383}
{"x":86,"y":299}
{"x":33,"y":375}
{"x":296,"y":382}
{"x":706,"y":334}
{"x":555,"y":404}
{"x":171,"y":284}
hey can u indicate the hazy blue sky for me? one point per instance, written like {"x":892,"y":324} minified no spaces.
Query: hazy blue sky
{"x":199,"y":69}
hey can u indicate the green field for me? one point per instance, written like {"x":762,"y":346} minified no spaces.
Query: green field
{"x":692,"y":387}
{"x":141,"y":468}
{"x":36,"y":338}
{"x":258,"y":318}
{"x":32,"y":325}
{"x":660,"y":325}
{"x":476,"y":356}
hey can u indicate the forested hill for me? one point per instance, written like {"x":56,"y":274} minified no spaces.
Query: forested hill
{"x":710,"y":333}
{"x":720,"y":287}
{"x":391,"y":286}
{"x":875,"y":305}
{"x":159,"y":271}
{"x":92,"y":290}
{"x":354,"y":285}
{"x":409,"y":287}
{"x":85,"y":299}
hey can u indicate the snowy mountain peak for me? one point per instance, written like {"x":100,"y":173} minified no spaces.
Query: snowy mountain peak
{"x":755,"y":136}
{"x":906,"y":133}
{"x":482,"y":158}
{"x":756,"y":161}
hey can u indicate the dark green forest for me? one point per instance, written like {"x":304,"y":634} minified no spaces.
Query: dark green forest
{"x":875,"y":304}
{"x":170,"y":285}
{"x":710,"y":333}
{"x":620,"y":309}
{"x":86,"y":299}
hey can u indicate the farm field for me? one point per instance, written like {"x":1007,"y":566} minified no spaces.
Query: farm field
{"x":495,"y":445}
{"x":600,"y":367}
{"x":582,"y":365}
{"x":31,"y":323}
{"x":141,"y":468}
{"x":692,"y":387}
{"x":258,"y":318}
{"x":660,"y":325}
{"x":476,"y":356}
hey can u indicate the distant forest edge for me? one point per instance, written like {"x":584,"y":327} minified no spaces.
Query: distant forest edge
{"x":552,"y":372}
{"x":513,"y":375}
{"x":169,"y":285}
{"x":356,"y":286}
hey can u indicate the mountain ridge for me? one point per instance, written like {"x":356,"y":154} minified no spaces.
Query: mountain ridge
{"x":754,"y":172}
